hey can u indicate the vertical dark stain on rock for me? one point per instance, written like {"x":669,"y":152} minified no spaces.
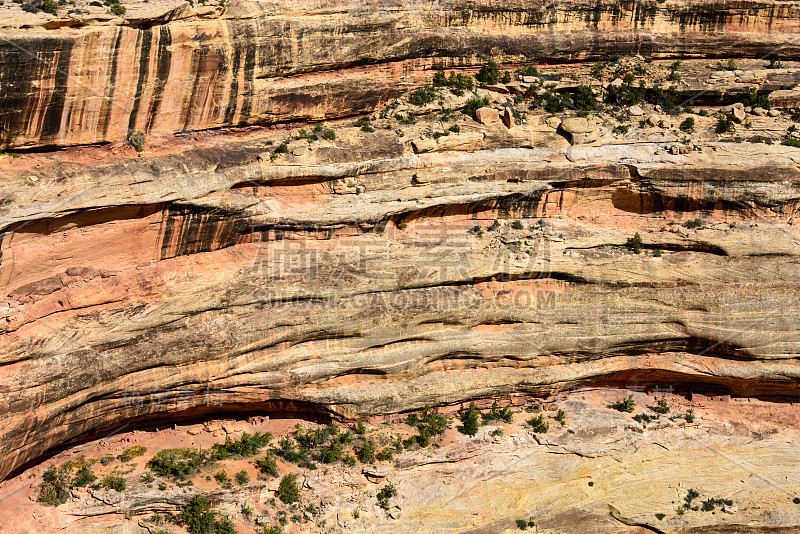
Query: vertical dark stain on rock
{"x":233,"y":94}
{"x":189,"y":230}
{"x":108,"y":103}
{"x":164,"y":58}
{"x":144,"y":42}
{"x":51,"y":124}
{"x":198,"y":57}
{"x":16,"y":80}
{"x":249,"y":70}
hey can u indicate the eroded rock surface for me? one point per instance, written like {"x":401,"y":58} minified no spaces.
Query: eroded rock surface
{"x":361,"y":278}
{"x":169,"y":66}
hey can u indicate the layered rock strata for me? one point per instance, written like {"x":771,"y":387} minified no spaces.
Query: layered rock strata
{"x":360,"y":278}
{"x":87,"y":77}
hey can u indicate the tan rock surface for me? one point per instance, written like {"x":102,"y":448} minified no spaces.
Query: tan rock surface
{"x":333,"y":284}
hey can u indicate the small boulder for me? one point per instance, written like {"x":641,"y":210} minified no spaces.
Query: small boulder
{"x":425,"y":144}
{"x":508,"y":118}
{"x":418,"y":179}
{"x":300,"y":151}
{"x":759,"y":112}
{"x":498,"y":88}
{"x":653,"y":120}
{"x":579,"y":130}
{"x":635,"y":111}
{"x":531,"y":79}
{"x":773,"y":113}
{"x":665,"y":124}
{"x":487,"y":116}
{"x":738,"y":114}
{"x":553,"y":122}
{"x":576,"y":125}
{"x":748,"y":109}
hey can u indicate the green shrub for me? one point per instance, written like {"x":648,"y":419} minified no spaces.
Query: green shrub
{"x":331,"y":453}
{"x":457,"y":83}
{"x":198,"y":517}
{"x":405,"y":119}
{"x":473,"y":104}
{"x":135,"y":139}
{"x":385,"y":455}
{"x":177,"y":463}
{"x":687,"y":125}
{"x":49,"y":6}
{"x":267,"y":465}
{"x":634,"y":244}
{"x":540,"y":426}
{"x":366,"y":453}
{"x":221,"y":476}
{"x":645,"y":418}
{"x":597,"y":70}
{"x":626,"y":405}
{"x":224,"y":526}
{"x":756,"y":100}
{"x":674,"y":75}
{"x":53,"y":490}
{"x":725,"y":123}
{"x":662,"y":407}
{"x":791,"y":141}
{"x":131,"y":453}
{"x":288,"y":491}
{"x":114,"y":482}
{"x":561,"y":416}
{"x":693,"y":224}
{"x":498,"y":413}
{"x":489,"y":73}
{"x":428,"y":424}
{"x":84,"y":476}
{"x":116,"y":9}
{"x":243,"y":447}
{"x":584,"y":98}
{"x":667,"y":99}
{"x":528,"y":70}
{"x":470,"y":420}
{"x":552,"y":102}
{"x":385,"y":494}
{"x":422,"y":96}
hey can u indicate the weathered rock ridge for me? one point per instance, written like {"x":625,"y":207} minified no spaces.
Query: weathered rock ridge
{"x":171,"y":67}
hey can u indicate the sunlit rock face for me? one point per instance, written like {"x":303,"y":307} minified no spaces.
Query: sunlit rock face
{"x":167,"y":286}
{"x":170,"y":67}
{"x":374,"y":272}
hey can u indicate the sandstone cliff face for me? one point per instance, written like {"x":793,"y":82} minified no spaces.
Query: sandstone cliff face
{"x":174,"y":67}
{"x":347,"y":280}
